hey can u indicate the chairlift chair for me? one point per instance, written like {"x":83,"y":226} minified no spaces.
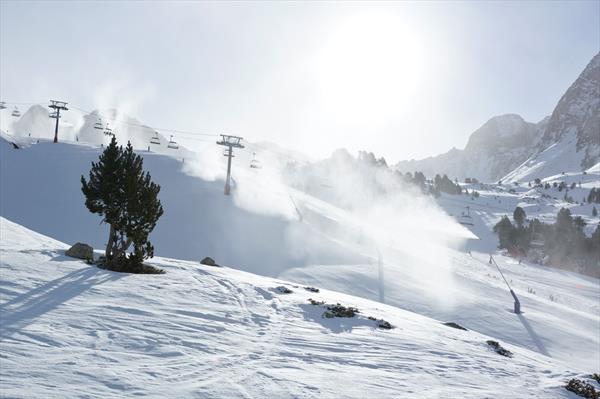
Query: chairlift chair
{"x":255,"y":163}
{"x":16,"y":113}
{"x":108,"y":131}
{"x":98,"y":125}
{"x":172,"y":144}
{"x":2,"y":105}
{"x":465,"y":220}
{"x":155,"y":139}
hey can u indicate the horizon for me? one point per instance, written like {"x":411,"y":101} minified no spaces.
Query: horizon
{"x":309,"y":77}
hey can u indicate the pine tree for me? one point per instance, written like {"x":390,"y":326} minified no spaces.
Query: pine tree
{"x":519,"y":216}
{"x":505,"y":230}
{"x":124,"y":195}
{"x":594,"y":212}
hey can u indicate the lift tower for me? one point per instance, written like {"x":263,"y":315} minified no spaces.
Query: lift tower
{"x":57,"y":106}
{"x":230,"y":142}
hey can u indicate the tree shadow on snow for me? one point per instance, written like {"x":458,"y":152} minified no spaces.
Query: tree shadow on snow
{"x":23,"y":309}
{"x":336,"y":325}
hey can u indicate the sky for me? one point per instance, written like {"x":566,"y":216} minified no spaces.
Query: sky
{"x":402,"y":79}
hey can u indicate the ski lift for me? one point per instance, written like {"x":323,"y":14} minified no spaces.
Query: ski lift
{"x":108,"y":131}
{"x":466,"y":219}
{"x":155,"y":139}
{"x":255,"y":163}
{"x":172,"y":144}
{"x":16,"y":113}
{"x":98,"y":124}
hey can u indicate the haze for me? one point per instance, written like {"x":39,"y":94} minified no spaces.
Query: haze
{"x":404,"y":80}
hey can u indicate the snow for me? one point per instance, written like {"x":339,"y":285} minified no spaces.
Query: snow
{"x":330,"y":248}
{"x":72,"y":330}
{"x":557,"y":158}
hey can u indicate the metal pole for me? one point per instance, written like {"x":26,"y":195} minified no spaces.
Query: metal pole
{"x":227,"y":184}
{"x":229,"y":142}
{"x":517,"y":304}
{"x":56,"y":126}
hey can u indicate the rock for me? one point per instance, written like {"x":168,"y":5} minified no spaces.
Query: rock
{"x":582,"y":388}
{"x":384,"y":324}
{"x":338,"y":310}
{"x":81,"y":251}
{"x":208,"y":261}
{"x":311,"y":289}
{"x":499,"y":349}
{"x":283,"y":290}
{"x":455,"y":325}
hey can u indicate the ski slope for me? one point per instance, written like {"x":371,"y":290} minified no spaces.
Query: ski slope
{"x":258,"y":230}
{"x":72,"y":330}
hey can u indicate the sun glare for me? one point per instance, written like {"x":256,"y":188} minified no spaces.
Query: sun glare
{"x":369,"y":67}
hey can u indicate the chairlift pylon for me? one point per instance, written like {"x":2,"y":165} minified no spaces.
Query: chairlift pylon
{"x":172,"y":144}
{"x":16,"y":113}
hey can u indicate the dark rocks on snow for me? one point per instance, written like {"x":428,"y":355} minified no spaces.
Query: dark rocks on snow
{"x":499,"y":349}
{"x":595,"y":377}
{"x":381,"y":323}
{"x":311,"y":289}
{"x":208,"y":261}
{"x":81,"y":251}
{"x":455,"y":325}
{"x":283,"y":290}
{"x":315,"y":303}
{"x":338,"y":310}
{"x":582,"y":389}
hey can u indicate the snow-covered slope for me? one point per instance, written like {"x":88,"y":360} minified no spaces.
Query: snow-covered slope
{"x":124,"y":127}
{"x":72,"y":330}
{"x":94,"y":128}
{"x":258,"y":230}
{"x":571,"y":140}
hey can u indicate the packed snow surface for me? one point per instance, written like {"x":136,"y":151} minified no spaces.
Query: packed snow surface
{"x":41,"y":190}
{"x":72,"y":330}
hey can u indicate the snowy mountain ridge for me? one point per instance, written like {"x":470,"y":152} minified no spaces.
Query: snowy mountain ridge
{"x":507,"y":145}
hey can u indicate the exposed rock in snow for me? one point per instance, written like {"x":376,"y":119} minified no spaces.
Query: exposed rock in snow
{"x":80,"y":251}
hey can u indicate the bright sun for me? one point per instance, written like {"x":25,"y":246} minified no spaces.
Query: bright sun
{"x":369,"y":68}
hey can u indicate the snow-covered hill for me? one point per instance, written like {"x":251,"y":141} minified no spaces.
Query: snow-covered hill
{"x":72,"y":330}
{"x":274,"y":230}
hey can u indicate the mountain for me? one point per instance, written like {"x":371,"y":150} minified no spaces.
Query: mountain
{"x":571,"y":139}
{"x":70,"y":329}
{"x":509,"y":148}
{"x":497,"y":147}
